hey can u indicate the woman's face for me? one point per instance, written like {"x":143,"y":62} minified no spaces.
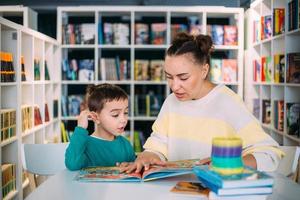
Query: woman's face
{"x":185,"y":76}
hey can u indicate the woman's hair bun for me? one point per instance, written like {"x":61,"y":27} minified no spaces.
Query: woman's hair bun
{"x":204,"y":43}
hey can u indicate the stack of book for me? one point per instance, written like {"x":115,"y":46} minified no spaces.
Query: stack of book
{"x":251,"y":184}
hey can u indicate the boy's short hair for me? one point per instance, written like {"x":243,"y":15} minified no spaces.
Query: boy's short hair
{"x":98,"y":95}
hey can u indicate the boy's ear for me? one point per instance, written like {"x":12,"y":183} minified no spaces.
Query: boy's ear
{"x":94,"y":117}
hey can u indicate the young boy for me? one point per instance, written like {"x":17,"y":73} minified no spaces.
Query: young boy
{"x":108,"y":108}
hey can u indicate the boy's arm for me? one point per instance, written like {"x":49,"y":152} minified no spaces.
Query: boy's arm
{"x":75,"y":157}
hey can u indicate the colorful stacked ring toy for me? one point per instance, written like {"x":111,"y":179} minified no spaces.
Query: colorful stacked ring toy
{"x":226,"y":155}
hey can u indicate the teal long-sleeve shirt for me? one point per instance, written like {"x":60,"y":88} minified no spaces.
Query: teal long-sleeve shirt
{"x":85,"y":151}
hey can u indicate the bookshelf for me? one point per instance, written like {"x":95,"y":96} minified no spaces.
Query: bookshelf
{"x":272,"y":98}
{"x":134,"y":46}
{"x":21,"y":15}
{"x":27,"y":48}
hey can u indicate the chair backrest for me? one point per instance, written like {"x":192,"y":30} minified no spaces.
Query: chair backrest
{"x":44,"y":159}
{"x":288,"y":164}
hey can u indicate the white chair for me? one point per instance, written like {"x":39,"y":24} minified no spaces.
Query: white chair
{"x":289,"y":163}
{"x":43,"y":159}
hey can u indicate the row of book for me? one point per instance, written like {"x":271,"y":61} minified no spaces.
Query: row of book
{"x":82,"y":70}
{"x":223,"y":34}
{"x":28,"y":119}
{"x":276,"y":115}
{"x":114,"y":33}
{"x":154,"y":33}
{"x":149,"y":70}
{"x":293,"y":15}
{"x":8,"y":171}
{"x":114,"y":69}
{"x":265,"y":28}
{"x":147,"y":104}
{"x":71,"y":105}
{"x":262,"y":69}
{"x":7,"y":72}
{"x":8,"y":123}
{"x":36,"y":70}
{"x":78,"y":33}
{"x":223,"y":70}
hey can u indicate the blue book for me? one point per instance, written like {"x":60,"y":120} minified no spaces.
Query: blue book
{"x":249,"y":178}
{"x":236,"y":191}
{"x":112,"y":174}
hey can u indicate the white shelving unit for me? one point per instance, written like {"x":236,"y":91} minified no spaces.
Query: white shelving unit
{"x":22,"y":13}
{"x":288,"y":42}
{"x":22,"y":41}
{"x":132,"y":15}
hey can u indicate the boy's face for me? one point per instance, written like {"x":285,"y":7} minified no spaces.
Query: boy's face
{"x":114,"y":116}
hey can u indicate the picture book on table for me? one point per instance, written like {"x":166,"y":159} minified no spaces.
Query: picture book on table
{"x":113,"y":174}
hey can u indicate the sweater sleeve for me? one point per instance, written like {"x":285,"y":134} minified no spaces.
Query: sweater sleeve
{"x":264,"y":149}
{"x":75,"y":156}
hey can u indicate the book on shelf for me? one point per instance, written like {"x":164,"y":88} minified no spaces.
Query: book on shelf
{"x":293,"y":119}
{"x":156,"y":70}
{"x":147,"y":104}
{"x":256,"y":31}
{"x":141,"y":70}
{"x":74,"y":104}
{"x":26,"y":117}
{"x":55,"y":108}
{"x":87,"y":33}
{"x":7,"y":72}
{"x":8,"y":123}
{"x":193,"y":24}
{"x":266,"y":111}
{"x":177,"y":28}
{"x":266,"y":27}
{"x":8,"y":171}
{"x":229,"y":70}
{"x":230,"y":35}
{"x":108,"y":33}
{"x":114,"y":69}
{"x":141,"y":33}
{"x":47,"y":116}
{"x":78,"y":33}
{"x":217,"y":34}
{"x":37,"y":69}
{"x":279,"y":68}
{"x":293,"y":15}
{"x":138,"y":141}
{"x":256,"y":108}
{"x":266,"y":71}
{"x":158,"y":33}
{"x":278,"y":117}
{"x":249,"y":182}
{"x":47,"y":75}
{"x":86,"y":70}
{"x":187,"y":188}
{"x":23,"y":72}
{"x":112,"y":174}
{"x":293,"y":68}
{"x":256,"y":71}
{"x":278,"y":21}
{"x":215,"y":70}
{"x":37,"y":116}
{"x":121,"y":33}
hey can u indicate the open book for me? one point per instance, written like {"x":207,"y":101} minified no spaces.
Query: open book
{"x":174,"y":168}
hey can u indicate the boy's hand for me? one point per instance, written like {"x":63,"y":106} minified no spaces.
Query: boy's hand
{"x":144,"y":160}
{"x":82,"y":119}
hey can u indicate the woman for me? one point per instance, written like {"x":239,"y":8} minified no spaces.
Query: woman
{"x":199,"y":110}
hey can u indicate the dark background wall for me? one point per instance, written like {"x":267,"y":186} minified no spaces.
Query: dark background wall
{"x":47,"y":8}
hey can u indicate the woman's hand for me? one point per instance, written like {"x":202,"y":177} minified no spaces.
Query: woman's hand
{"x":82,"y":119}
{"x":144,"y":160}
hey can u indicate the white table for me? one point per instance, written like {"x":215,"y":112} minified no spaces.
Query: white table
{"x":62,"y":186}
